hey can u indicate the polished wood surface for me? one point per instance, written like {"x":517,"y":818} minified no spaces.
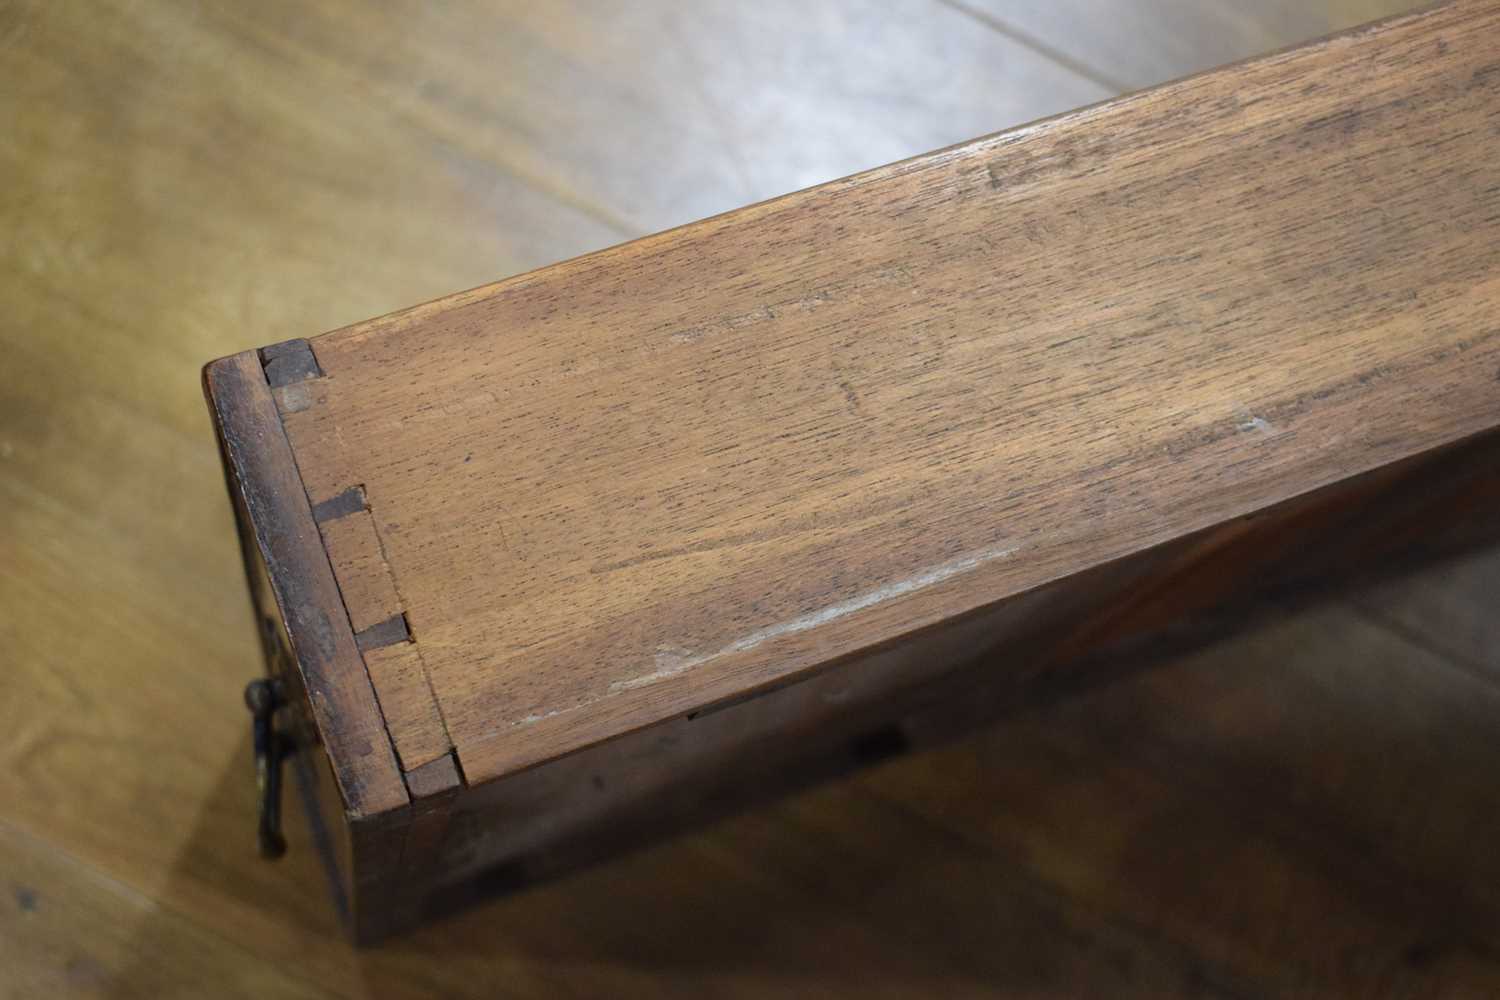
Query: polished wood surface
{"x":614,"y":490}
{"x":1303,"y":811}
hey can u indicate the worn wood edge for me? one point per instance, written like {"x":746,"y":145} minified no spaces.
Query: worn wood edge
{"x":323,"y":805}
{"x":262,"y":472}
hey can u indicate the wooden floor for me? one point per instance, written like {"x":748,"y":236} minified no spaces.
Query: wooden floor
{"x":1307,"y":809}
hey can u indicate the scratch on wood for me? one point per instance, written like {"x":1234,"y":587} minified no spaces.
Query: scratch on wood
{"x":851,"y":397}
{"x":761,"y":314}
{"x":670,"y":663}
{"x":1249,"y":422}
{"x":530,"y":719}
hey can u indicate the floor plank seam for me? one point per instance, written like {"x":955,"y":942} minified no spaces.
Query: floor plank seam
{"x":1054,"y":55}
{"x":1475,"y":670}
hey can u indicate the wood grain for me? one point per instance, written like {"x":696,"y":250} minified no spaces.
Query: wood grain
{"x":407,"y":704}
{"x":826,"y":421}
{"x":185,"y":180}
{"x":363,"y":577}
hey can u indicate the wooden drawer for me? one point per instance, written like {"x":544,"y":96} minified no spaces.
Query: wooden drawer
{"x":561,"y":562}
